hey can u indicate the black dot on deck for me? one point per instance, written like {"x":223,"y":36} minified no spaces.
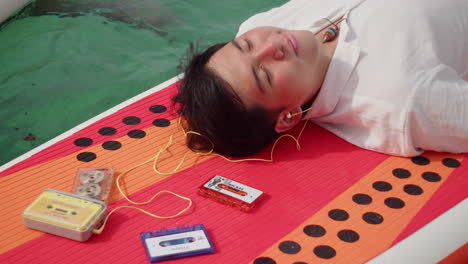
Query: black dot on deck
{"x":131,"y":120}
{"x":264,"y":260}
{"x":289,"y":247}
{"x":451,"y":163}
{"x":136,"y":133}
{"x":394,"y":203}
{"x":401,"y":173}
{"x":158,"y":109}
{"x":361,"y":198}
{"x":86,"y":156}
{"x":314,"y":231}
{"x":431,"y":176}
{"x":107,"y":131}
{"x":338,"y":215}
{"x":161,"y":122}
{"x":348,"y":236}
{"x":382,"y":186}
{"x":420,"y":160}
{"x":325,"y":252}
{"x":111,"y":145}
{"x":412,"y":189}
{"x":83,"y":142}
{"x":372,"y":218}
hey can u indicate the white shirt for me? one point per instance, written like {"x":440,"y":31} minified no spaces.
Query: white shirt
{"x":397,"y":82}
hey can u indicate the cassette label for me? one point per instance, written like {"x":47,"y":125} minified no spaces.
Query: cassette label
{"x":179,"y":243}
{"x":176,"y":242}
{"x":234,"y":189}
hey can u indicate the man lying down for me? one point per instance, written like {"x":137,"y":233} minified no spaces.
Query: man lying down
{"x":388,"y":76}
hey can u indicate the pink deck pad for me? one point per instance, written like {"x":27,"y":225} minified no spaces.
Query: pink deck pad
{"x":298,"y":184}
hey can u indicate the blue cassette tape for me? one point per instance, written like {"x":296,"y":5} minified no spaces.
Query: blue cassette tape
{"x":176,"y":242}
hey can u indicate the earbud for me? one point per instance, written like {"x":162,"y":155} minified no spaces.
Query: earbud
{"x":291,"y":114}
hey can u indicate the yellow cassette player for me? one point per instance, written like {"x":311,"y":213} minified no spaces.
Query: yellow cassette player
{"x":65,"y":214}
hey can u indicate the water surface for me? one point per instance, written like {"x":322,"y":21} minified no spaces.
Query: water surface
{"x":64,"y":62}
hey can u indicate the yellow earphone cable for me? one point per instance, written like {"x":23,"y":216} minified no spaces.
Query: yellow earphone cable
{"x":176,"y":169}
{"x":100,"y":229}
{"x":296,"y":140}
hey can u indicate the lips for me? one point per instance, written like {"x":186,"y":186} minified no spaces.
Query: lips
{"x":292,"y":40}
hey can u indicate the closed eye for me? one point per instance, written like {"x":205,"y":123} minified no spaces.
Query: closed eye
{"x":269,"y":78}
{"x":267,"y":74}
{"x":249,"y":44}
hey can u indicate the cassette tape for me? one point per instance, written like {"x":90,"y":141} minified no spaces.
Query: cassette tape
{"x":231,"y":193}
{"x":176,"y":242}
{"x":64,"y":214}
{"x":93,"y":183}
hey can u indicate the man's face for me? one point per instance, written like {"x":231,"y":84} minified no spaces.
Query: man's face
{"x":272,"y":67}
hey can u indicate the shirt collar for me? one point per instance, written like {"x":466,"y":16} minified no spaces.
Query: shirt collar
{"x":341,"y":66}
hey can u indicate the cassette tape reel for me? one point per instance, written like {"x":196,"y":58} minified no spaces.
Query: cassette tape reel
{"x":93,"y":183}
{"x":93,"y":176}
{"x":91,"y":190}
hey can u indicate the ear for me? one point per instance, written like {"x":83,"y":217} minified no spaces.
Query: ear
{"x":287,"y":119}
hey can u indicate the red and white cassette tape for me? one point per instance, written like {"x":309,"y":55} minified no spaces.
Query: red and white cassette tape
{"x":231,"y":193}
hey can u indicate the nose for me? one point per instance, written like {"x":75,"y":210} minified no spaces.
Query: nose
{"x":271,"y":49}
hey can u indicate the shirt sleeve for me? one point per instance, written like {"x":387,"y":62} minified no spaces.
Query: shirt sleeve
{"x":439,"y":119}
{"x":438,"y":116}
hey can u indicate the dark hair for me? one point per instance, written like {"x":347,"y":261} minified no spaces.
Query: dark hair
{"x":209,"y":106}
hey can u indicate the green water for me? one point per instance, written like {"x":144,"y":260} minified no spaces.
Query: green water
{"x":58,"y":71}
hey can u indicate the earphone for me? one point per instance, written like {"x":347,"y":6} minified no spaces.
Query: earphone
{"x":291,"y":114}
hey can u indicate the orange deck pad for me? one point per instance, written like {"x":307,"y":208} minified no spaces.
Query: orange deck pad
{"x":367,"y":218}
{"x":60,"y":173}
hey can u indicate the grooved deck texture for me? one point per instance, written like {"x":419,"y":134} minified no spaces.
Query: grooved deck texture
{"x":326,"y":203}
